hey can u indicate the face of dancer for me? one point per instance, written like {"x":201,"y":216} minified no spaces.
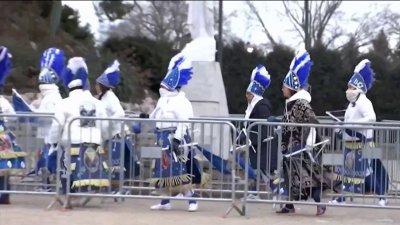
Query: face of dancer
{"x":249,"y":97}
{"x":98,"y":89}
{"x":352,"y":93}
{"x":286,"y":91}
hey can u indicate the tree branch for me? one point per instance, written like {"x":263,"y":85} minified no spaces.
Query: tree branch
{"x":255,"y":12}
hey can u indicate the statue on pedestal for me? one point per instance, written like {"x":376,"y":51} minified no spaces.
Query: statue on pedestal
{"x":201,"y":27}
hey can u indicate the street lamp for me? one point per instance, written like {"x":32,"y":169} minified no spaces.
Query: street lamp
{"x":249,"y":48}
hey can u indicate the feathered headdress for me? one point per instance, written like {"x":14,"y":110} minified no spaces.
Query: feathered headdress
{"x":111,"y":76}
{"x":52,"y":65}
{"x":363,"y":76}
{"x":5,"y":64}
{"x":299,"y":71}
{"x":76,"y":73}
{"x":179,"y":73}
{"x":259,"y":81}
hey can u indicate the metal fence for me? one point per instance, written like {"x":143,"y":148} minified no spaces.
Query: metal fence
{"x":366,"y":172}
{"x":22,"y":147}
{"x":235,"y":168}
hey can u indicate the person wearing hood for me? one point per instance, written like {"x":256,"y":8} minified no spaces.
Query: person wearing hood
{"x":357,"y":173}
{"x":105,"y":84}
{"x":171,"y":173}
{"x":52,"y":65}
{"x":259,"y":108}
{"x":11,"y":157}
{"x":302,"y":178}
{"x":84,"y":136}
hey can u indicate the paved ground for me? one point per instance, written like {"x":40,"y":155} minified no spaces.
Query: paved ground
{"x":30,"y":210}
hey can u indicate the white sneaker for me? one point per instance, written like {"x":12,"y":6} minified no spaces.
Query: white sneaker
{"x":193,"y":207}
{"x":180,"y":195}
{"x":336,"y":202}
{"x":161,"y":207}
{"x":382,"y":202}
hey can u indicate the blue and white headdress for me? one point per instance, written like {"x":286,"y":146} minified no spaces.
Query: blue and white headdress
{"x":111,"y":76}
{"x":179,"y":73}
{"x":51,"y":66}
{"x":259,"y":81}
{"x":76,"y":73}
{"x":297,"y":77}
{"x":5,"y":64}
{"x":363,"y":76}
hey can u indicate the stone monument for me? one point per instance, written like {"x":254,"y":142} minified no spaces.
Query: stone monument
{"x":206,"y":90}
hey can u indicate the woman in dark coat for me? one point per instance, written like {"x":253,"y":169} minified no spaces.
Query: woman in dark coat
{"x":302,"y":177}
{"x":259,"y":108}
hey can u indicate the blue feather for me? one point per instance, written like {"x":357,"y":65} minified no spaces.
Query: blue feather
{"x":53,"y":58}
{"x":368,"y":75}
{"x":66,"y":76}
{"x":178,"y":62}
{"x":261,"y":79}
{"x":363,"y":76}
{"x":111,"y":76}
{"x":299,"y":71}
{"x":179,"y":74}
{"x":5,"y":64}
{"x":185,"y":76}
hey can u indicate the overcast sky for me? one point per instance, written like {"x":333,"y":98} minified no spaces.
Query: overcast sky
{"x":279,"y":26}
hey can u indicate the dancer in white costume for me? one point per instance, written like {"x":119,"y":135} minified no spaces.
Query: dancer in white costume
{"x":360,"y":175}
{"x":86,"y":135}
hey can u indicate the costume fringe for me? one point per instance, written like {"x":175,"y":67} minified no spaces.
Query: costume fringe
{"x":171,"y":181}
{"x":359,"y":145}
{"x":352,"y":180}
{"x":91,"y":182}
{"x":12,"y":155}
{"x":12,"y":172}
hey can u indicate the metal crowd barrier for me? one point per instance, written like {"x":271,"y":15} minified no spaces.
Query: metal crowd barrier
{"x":20,"y":150}
{"x":323,"y":160}
{"x":224,"y":157}
{"x":214,"y":186}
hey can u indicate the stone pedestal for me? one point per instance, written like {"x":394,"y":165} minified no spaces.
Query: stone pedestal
{"x":206,"y":92}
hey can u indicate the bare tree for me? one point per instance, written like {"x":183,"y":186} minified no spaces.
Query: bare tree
{"x":163,"y":21}
{"x":255,"y":15}
{"x":321,"y":16}
{"x":374,"y":21}
{"x":159,"y":20}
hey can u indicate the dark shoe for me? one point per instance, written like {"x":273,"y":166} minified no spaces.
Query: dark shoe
{"x":285,"y":210}
{"x":5,"y":202}
{"x":321,"y":210}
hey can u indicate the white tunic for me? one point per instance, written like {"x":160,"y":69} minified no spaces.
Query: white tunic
{"x":174,"y":106}
{"x":6,"y":108}
{"x":51,"y":97}
{"x":361,"y":112}
{"x":78,"y":104}
{"x":113,"y":110}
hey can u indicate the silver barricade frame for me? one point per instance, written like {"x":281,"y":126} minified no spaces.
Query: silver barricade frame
{"x":66,"y":203}
{"x":28,"y":116}
{"x":370,"y":153}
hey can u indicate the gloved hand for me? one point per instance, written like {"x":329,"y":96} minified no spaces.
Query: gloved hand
{"x":144,"y":115}
{"x":137,"y":128}
{"x":175,"y":146}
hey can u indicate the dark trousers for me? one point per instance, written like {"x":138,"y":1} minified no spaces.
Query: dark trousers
{"x":4,"y":185}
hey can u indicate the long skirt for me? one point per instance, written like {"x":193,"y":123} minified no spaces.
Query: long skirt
{"x":88,"y":169}
{"x":131,"y":160}
{"x":301,"y":175}
{"x":360,"y":175}
{"x":47,"y":161}
{"x":171,"y":169}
